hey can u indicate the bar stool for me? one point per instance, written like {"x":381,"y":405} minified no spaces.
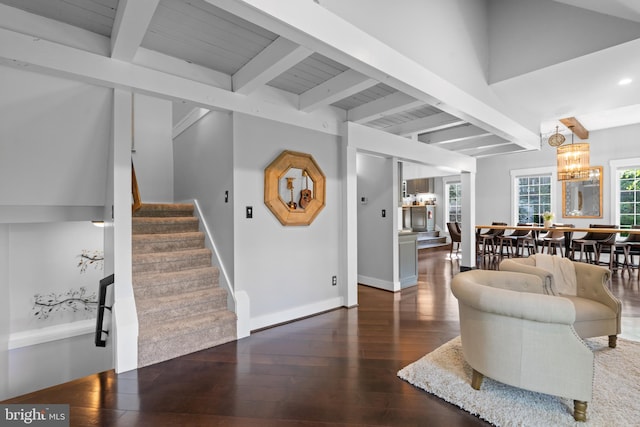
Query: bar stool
{"x":512,"y":242}
{"x":486,"y":245}
{"x":629,"y":247}
{"x":591,"y":244}
{"x":554,"y":240}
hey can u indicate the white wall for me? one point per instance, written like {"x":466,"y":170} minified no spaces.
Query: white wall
{"x":286,"y":271}
{"x":493,"y":183}
{"x":53,"y":163}
{"x":44,"y":365}
{"x":55,"y":135}
{"x":153,"y":156}
{"x":375,"y":233}
{"x":203,"y":170}
{"x":45,"y":259}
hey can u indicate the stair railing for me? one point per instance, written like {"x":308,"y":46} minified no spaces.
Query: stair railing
{"x":135,"y":191}
{"x":100,"y":338}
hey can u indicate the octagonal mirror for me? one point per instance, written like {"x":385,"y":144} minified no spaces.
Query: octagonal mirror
{"x":294,"y":188}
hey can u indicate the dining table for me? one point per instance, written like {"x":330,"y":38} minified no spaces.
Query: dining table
{"x":568,"y":231}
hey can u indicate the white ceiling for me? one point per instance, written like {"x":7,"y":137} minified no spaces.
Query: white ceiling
{"x":585,"y":87}
{"x":211,"y":45}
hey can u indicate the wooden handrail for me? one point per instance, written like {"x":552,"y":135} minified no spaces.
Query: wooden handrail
{"x":135,"y":192}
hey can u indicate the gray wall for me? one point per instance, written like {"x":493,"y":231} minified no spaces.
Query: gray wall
{"x":375,"y":234}
{"x":203,"y":170}
{"x":285,"y":270}
{"x":4,"y":311}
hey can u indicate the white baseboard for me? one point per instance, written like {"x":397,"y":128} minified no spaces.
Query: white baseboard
{"x":379,"y":283}
{"x":295,"y":313}
{"x":51,"y":333}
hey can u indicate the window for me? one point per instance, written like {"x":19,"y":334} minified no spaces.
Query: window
{"x":629,"y":196}
{"x":534,"y":198}
{"x":454,"y":202}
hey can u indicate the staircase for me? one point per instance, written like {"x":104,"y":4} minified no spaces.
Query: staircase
{"x":431,"y":239}
{"x":181,"y":308}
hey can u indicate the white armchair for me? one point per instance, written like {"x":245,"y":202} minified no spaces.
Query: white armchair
{"x":598,"y":312}
{"x":513,"y":333}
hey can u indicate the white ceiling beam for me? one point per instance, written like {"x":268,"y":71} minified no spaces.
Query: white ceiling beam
{"x":274,"y":60}
{"x":37,"y":55}
{"x":453,"y":134}
{"x":311,"y":25}
{"x":366,"y":139}
{"x":179,"y":67}
{"x":130,"y":25}
{"x":426,"y":124}
{"x":339,"y":87}
{"x":390,"y":104}
{"x":511,"y":148}
{"x":482,"y":142}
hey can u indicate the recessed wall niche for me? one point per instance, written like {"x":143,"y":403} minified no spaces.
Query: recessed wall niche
{"x":294,"y":188}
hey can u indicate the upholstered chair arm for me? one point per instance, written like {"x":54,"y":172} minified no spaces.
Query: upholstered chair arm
{"x":527,"y":265}
{"x":478,"y":292}
{"x":593,"y":283}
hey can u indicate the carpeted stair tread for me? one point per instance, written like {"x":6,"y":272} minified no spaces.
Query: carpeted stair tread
{"x":189,"y":324}
{"x":171,"y":261}
{"x":149,"y":285}
{"x":194,"y":334}
{"x":163,"y":225}
{"x":165,"y":242}
{"x":173,"y":308}
{"x":165,"y":209}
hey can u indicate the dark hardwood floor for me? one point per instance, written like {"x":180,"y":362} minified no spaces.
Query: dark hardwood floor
{"x":334,"y":369}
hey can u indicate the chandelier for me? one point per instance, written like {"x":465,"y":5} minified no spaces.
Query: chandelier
{"x":573,"y":161}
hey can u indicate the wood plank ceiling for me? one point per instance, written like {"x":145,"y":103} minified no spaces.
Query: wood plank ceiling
{"x":202,"y":34}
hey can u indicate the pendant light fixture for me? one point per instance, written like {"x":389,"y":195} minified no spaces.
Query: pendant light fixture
{"x":573,"y":161}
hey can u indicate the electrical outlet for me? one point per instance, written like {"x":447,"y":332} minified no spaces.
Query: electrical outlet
{"x":334,"y":280}
{"x":384,"y":213}
{"x":249,"y":211}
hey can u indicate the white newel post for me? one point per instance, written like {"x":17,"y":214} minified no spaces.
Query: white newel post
{"x":125,"y":319}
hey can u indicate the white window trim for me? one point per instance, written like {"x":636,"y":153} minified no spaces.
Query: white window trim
{"x":445,"y":213}
{"x":614,"y":167}
{"x":517,"y":173}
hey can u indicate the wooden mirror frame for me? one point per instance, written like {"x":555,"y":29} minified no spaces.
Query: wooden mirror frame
{"x":593,"y":199}
{"x":276,"y":171}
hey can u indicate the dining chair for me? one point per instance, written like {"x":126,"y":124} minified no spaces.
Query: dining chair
{"x":456,"y":236}
{"x":591,"y":244}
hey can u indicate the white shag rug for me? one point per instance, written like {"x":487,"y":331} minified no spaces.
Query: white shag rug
{"x":616,"y":390}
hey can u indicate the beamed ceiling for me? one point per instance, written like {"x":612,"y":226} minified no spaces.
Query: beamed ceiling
{"x":206,"y":48}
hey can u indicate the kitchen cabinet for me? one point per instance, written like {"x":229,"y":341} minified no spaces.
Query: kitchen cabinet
{"x":408,"y":258}
{"x":422,"y":185}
